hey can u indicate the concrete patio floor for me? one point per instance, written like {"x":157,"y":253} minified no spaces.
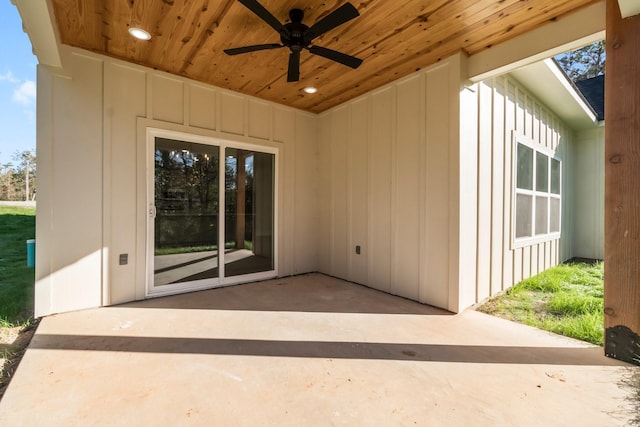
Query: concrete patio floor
{"x":307,"y":350}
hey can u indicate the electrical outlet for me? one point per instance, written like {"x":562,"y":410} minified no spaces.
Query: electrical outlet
{"x":358,"y":249}
{"x":124,"y":259}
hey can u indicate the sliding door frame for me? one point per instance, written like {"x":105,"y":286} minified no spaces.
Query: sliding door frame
{"x":163,"y":290}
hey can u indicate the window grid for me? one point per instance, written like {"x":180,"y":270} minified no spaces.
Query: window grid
{"x":527,"y":209}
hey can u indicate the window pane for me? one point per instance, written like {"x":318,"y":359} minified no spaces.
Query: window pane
{"x":542,"y":208}
{"x":555,"y":176}
{"x":555,"y":215}
{"x":249,"y":215}
{"x":524,"y":205}
{"x":525,"y":168}
{"x":542,"y":172}
{"x":186,"y":201}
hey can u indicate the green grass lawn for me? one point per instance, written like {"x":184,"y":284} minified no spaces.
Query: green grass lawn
{"x":567,"y":300}
{"x":16,"y":279}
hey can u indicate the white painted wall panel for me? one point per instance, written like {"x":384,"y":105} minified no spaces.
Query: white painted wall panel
{"x":588,"y":175}
{"x":358,"y":153}
{"x":468,"y":202}
{"x":499,"y":187}
{"x":434,"y":277}
{"x":305,"y":195}
{"x":259,"y":119}
{"x":44,"y":154}
{"x":388,"y":175}
{"x":76,"y":211}
{"x":125,"y":99}
{"x":231,"y":113}
{"x":325,"y":207}
{"x":339,"y":193}
{"x":407,"y":234}
{"x":504,"y":106}
{"x":202,"y":107}
{"x":284,"y":127}
{"x":485,"y":188}
{"x":93,"y":149}
{"x":380,"y":192}
{"x":167,"y":94}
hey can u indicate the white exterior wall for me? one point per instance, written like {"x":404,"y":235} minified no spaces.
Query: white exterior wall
{"x":588,"y":178}
{"x":417,"y":173}
{"x":492,"y":110}
{"x":92,"y":174}
{"x":389,"y":179}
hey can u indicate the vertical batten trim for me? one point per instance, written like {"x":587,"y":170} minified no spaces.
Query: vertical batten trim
{"x":106,"y":189}
{"x":349,"y":189}
{"x":423,"y":171}
{"x":370,"y":206}
{"x":186,"y":108}
{"x":394,"y":181}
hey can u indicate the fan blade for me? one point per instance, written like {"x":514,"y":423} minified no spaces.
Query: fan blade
{"x":344,"y":13}
{"x":293,"y":75}
{"x":263,"y":14}
{"x":247,"y":49}
{"x":348,"y":60}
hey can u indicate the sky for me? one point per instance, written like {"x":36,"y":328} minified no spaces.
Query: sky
{"x":17,"y":86}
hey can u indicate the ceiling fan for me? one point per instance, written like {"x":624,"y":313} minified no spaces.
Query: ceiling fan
{"x":297,"y":36}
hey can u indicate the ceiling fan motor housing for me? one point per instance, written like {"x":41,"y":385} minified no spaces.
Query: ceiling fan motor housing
{"x":293,"y":33}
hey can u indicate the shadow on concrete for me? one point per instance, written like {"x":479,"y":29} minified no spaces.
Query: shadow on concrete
{"x":587,"y":356}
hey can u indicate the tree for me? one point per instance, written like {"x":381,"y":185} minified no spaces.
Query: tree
{"x":26,"y":172}
{"x":18,"y":182}
{"x":584,"y":63}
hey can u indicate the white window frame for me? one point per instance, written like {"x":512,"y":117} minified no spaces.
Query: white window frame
{"x":533,"y":238}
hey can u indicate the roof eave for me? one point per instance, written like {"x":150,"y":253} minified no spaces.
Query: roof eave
{"x":38,"y":23}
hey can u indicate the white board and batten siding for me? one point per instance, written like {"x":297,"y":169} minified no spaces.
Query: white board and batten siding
{"x":92,"y":150}
{"x":388,"y":178}
{"x":588,"y":178}
{"x":428,"y":197}
{"x":416,"y":174}
{"x":502,"y":108}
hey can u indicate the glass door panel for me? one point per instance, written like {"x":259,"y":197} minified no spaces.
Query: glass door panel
{"x":186,"y":212}
{"x":249,"y":212}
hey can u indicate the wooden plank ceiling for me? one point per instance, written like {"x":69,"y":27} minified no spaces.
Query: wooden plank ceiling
{"x":393,"y":38}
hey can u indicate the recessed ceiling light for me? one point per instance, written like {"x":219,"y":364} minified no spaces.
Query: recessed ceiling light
{"x":310,"y":89}
{"x":139,"y":33}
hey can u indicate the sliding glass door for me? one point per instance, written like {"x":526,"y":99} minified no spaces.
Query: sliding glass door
{"x":211,"y":214}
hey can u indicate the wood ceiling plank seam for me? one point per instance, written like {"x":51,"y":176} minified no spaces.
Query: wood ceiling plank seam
{"x":182,"y":29}
{"x":412,"y":21}
{"x":209,"y":30}
{"x":520,"y":22}
{"x":443,"y":37}
{"x":167,"y":25}
{"x":79,"y":28}
{"x":410,"y":30}
{"x":118,"y":41}
{"x":187,"y":39}
{"x":227,"y":35}
{"x":559,"y":11}
{"x":106,"y":16}
{"x":159,"y":22}
{"x":391,"y":23}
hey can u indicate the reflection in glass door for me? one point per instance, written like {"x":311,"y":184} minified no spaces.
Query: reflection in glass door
{"x":249,"y":183}
{"x":203,"y":233}
{"x":186,"y":209}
